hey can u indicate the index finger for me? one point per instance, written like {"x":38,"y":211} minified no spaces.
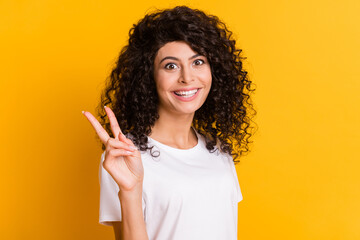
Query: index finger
{"x":103,"y":135}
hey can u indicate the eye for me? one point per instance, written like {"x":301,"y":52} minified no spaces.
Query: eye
{"x":199,"y":62}
{"x":170,"y":66}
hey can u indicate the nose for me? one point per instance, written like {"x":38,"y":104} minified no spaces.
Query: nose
{"x":186,"y":75}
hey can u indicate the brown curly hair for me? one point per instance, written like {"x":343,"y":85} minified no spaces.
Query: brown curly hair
{"x":131,"y":91}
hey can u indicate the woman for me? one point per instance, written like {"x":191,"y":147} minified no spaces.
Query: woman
{"x":177,"y":103}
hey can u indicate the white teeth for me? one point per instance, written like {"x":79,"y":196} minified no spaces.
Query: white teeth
{"x":187,"y":94}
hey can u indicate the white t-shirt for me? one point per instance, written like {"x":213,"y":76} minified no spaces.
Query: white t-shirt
{"x":187,"y":194}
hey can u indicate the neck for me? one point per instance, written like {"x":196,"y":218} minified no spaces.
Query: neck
{"x":174,"y":130}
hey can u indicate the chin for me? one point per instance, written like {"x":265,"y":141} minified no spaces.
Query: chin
{"x":190,"y":110}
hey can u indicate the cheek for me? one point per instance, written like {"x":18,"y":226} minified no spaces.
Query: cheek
{"x":206,"y":77}
{"x":163,"y":82}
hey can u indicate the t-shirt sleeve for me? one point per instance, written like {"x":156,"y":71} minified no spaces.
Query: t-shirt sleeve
{"x":110,"y":208}
{"x":239,"y":196}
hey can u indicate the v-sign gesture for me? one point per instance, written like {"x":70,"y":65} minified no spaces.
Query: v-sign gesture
{"x":122,"y":159}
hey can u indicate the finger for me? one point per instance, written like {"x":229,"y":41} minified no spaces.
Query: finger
{"x":114,"y":143}
{"x":103,"y":135}
{"x":123,"y":138}
{"x":114,"y":125}
{"x":119,"y":153}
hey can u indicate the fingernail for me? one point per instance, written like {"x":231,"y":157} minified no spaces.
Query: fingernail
{"x":133,"y":147}
{"x":83,"y":112}
{"x":105,"y":106}
{"x":128,"y":152}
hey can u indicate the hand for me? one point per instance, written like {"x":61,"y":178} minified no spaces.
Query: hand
{"x":122,"y":159}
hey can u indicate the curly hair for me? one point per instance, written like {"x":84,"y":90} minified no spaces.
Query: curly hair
{"x":131,"y":93}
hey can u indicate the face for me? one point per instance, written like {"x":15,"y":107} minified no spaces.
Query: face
{"x":182,"y":77}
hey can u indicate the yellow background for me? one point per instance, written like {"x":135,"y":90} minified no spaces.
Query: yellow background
{"x":301,"y":180}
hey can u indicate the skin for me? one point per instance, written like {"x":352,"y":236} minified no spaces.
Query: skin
{"x":176,"y":67}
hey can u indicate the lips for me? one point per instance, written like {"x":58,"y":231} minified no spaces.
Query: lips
{"x":186,"y":94}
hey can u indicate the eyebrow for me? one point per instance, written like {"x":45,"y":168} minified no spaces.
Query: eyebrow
{"x":174,"y":58}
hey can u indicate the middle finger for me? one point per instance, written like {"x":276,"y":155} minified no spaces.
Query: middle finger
{"x":114,"y":125}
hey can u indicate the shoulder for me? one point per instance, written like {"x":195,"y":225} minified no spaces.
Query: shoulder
{"x":204,"y":139}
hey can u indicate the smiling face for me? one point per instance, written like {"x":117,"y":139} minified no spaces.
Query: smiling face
{"x":182,"y":77}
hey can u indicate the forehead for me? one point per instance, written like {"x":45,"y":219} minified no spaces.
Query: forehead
{"x":176,"y":48}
